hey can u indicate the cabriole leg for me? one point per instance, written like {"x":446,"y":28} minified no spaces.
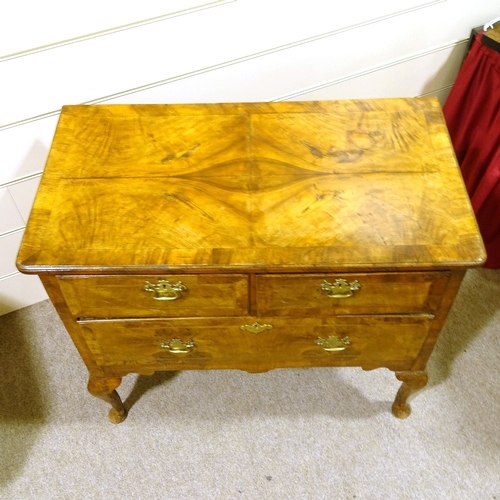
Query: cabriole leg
{"x":412,"y":381}
{"x":104,"y":388}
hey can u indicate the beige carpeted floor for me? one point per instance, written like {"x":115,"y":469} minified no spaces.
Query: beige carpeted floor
{"x":286,"y":434}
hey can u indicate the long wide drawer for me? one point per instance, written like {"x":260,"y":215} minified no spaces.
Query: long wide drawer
{"x":371,"y":293}
{"x":156,"y":296}
{"x":257,"y":344}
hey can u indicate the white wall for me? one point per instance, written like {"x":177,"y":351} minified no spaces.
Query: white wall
{"x":54,"y":53}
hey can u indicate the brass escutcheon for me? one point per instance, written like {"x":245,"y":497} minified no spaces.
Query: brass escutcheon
{"x":177,"y":346}
{"x":164,"y":290}
{"x":340,"y":288}
{"x":333,"y":343}
{"x":256,"y":327}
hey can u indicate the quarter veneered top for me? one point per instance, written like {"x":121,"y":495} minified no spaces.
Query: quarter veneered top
{"x":333,"y":184}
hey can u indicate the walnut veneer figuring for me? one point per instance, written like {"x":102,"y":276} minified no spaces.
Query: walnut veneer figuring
{"x":252,"y":236}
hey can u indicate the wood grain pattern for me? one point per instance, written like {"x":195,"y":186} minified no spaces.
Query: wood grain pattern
{"x":262,"y":185}
{"x":251,"y":208}
{"x":220,"y":343}
{"x":387,"y":293}
{"x":122,"y":296}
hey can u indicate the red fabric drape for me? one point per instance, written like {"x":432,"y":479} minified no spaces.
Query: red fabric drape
{"x":472,"y":113}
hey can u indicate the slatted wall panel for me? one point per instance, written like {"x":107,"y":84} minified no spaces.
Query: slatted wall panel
{"x":54,"y":53}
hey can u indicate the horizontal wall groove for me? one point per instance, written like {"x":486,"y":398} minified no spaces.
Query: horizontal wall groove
{"x":441,"y":89}
{"x":32,"y":119}
{"x":11,"y":275}
{"x":117,"y":29}
{"x":235,"y":61}
{"x":21,"y":179}
{"x":13,"y":231}
{"x":373,"y":69}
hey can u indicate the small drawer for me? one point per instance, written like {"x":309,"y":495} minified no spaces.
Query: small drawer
{"x":257,"y":344}
{"x":373,"y":293}
{"x":156,"y":296}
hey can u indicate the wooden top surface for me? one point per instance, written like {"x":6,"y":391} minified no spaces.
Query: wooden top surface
{"x":306,"y":185}
{"x":492,"y":39}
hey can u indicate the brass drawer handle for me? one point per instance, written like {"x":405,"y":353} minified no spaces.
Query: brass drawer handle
{"x":177,"y":346}
{"x":256,"y":327}
{"x":340,"y":288}
{"x":333,"y":343}
{"x":164,"y":290}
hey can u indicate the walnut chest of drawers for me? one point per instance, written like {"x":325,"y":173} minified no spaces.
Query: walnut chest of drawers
{"x":252,"y":236}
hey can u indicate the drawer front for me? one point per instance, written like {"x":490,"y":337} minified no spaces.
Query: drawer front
{"x":156,"y":296}
{"x":257,"y":344}
{"x":374,"y":293}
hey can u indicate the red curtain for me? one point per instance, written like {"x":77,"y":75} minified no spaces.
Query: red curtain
{"x":472,"y":113}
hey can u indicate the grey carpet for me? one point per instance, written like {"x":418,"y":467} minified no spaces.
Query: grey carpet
{"x":286,"y":434}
